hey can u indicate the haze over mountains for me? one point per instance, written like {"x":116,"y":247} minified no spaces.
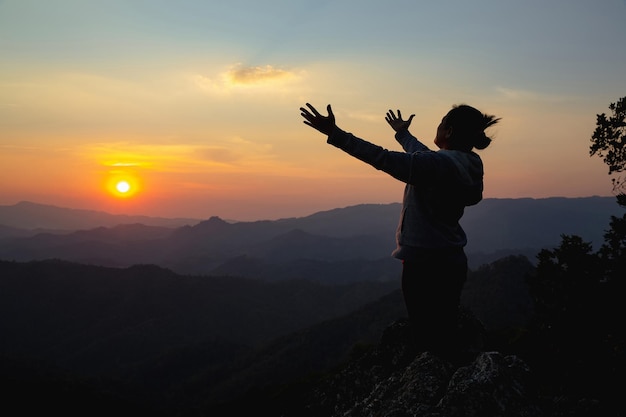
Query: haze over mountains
{"x":33,"y":216}
{"x":325,"y":244}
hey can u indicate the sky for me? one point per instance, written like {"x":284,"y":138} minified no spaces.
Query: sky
{"x":195,"y":103}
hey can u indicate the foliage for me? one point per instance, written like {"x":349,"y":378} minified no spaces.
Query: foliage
{"x":613,"y":252}
{"x":609,"y":142}
{"x":565,"y":290}
{"x":564,"y":280}
{"x":613,"y":258}
{"x":578,"y":334}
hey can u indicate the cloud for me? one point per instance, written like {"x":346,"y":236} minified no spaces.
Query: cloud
{"x":366,"y":117}
{"x":25,"y":150}
{"x":235,"y":151}
{"x":219,"y":154}
{"x":517,"y":94}
{"x":241,"y":78}
{"x":258,"y":75}
{"x":528,"y":95}
{"x":125,"y":164}
{"x":223,"y":155}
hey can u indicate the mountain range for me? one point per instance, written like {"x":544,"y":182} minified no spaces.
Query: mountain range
{"x":30,"y":216}
{"x":213,"y":316}
{"x":352,"y":243}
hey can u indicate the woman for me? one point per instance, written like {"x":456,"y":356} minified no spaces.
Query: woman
{"x":439,"y":185}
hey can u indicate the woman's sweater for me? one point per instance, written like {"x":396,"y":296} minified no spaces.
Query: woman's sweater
{"x":439,"y":185}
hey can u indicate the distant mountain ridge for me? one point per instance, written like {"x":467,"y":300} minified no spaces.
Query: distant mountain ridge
{"x":325,"y":244}
{"x":29,"y":215}
{"x":495,"y":223}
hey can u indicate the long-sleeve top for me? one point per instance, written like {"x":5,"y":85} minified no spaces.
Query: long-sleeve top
{"x":439,"y":185}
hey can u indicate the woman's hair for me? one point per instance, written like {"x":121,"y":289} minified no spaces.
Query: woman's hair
{"x":469,"y":126}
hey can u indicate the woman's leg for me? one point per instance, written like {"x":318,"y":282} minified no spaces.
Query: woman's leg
{"x":432,"y":285}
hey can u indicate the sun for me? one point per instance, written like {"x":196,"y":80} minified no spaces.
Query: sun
{"x":123,"y":186}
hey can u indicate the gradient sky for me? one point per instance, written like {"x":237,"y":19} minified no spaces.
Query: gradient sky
{"x":196,"y":102}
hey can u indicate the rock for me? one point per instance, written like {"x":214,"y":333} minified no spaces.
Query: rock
{"x":414,"y":391}
{"x":492,"y":385}
{"x":394,"y":380}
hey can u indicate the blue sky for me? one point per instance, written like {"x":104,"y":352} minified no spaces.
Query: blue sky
{"x":198,"y":100}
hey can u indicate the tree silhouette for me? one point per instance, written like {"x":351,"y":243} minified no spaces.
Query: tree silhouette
{"x":609,"y":142}
{"x":578,"y":292}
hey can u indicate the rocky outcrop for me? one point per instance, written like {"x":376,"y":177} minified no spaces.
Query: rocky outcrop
{"x":492,"y":385}
{"x":393,"y":380}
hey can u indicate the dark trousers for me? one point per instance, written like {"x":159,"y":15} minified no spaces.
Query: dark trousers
{"x":431,"y":284}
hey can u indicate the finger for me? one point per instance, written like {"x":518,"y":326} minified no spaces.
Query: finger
{"x":411,"y":117}
{"x":330,"y":112}
{"x":310,"y":124}
{"x":399,"y":115}
{"x":313,"y":126}
{"x":313,"y":109}
{"x":307,"y":114}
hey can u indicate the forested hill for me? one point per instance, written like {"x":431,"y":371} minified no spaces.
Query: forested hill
{"x":144,"y":340}
{"x":163,"y":339}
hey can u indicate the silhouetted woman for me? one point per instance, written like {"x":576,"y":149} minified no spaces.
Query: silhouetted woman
{"x":439,"y":185}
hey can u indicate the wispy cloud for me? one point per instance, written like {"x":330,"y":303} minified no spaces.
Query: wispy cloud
{"x":529,"y":95}
{"x":517,"y":94}
{"x":366,"y":117}
{"x":241,"y":78}
{"x":258,"y":75}
{"x":225,"y":155}
{"x":125,"y":164}
{"x":236,"y":151}
{"x":16,"y":149}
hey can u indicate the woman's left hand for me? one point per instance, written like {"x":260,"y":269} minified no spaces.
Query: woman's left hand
{"x":396,"y":122}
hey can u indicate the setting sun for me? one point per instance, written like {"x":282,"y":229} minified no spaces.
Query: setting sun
{"x":123,"y":187}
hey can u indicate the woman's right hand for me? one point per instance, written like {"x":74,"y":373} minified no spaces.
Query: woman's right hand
{"x":396,"y":122}
{"x":313,"y":118}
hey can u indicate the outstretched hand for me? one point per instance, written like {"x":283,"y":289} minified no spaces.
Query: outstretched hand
{"x":313,"y":118}
{"x":396,"y":122}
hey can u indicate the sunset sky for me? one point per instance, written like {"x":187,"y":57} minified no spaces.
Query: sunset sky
{"x":194,"y":103}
